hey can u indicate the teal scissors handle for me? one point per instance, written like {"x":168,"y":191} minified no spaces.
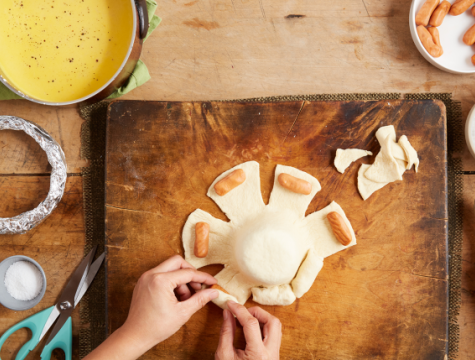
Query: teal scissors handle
{"x":36,"y":324}
{"x":63,"y":340}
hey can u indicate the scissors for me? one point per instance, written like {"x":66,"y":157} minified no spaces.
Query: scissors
{"x":61,"y":336}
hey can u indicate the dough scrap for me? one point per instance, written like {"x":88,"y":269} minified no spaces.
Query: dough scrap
{"x":367,"y":187}
{"x":385,"y":168}
{"x":390,"y":163}
{"x":265,"y":248}
{"x":275,"y":295}
{"x":411,"y":153}
{"x":344,"y":158}
{"x":384,"y":131}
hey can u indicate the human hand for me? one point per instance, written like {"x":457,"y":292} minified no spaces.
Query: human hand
{"x":162,"y":302}
{"x":265,"y":346}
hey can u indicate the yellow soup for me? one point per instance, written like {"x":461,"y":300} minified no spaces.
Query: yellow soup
{"x":63,"y":50}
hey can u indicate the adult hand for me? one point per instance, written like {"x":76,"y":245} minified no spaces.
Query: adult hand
{"x":262,"y":346}
{"x":162,"y":301}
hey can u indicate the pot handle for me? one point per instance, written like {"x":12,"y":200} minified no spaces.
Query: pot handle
{"x":143,"y":17}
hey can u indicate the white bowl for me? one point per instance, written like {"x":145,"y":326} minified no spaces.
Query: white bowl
{"x":457,"y":56}
{"x":470,"y":131}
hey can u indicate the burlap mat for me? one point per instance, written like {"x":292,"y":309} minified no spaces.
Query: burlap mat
{"x":94,"y":305}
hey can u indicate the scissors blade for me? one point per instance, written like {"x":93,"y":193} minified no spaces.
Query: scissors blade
{"x":89,"y":278}
{"x":51,"y":319}
{"x":69,"y":292}
{"x":65,"y":304}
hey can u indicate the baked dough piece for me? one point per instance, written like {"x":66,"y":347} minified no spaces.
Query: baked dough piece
{"x":265,"y":248}
{"x":344,"y":158}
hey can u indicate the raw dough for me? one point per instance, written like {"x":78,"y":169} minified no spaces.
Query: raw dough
{"x":275,"y":295}
{"x":385,"y":168}
{"x":390,"y":163}
{"x":282,"y":198}
{"x":307,"y":273}
{"x":367,"y":187}
{"x":385,"y":131}
{"x":265,"y":248}
{"x":244,"y":201}
{"x":344,"y":158}
{"x":223,"y":298}
{"x":411,"y":153}
{"x":270,"y":249}
{"x":317,"y":225}
{"x":235,"y":282}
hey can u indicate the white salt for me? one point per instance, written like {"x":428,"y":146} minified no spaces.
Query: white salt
{"x":23,"y":280}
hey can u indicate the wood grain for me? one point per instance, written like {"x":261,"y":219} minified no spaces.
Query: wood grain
{"x":20,"y":154}
{"x":228,"y":49}
{"x":385,"y":298}
{"x":467,"y":312}
{"x":57,"y":245}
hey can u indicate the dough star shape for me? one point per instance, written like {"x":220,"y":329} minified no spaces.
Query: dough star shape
{"x":274,"y":251}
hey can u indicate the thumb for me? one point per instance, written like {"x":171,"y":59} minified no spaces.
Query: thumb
{"x":226,"y":338}
{"x":199,"y":300}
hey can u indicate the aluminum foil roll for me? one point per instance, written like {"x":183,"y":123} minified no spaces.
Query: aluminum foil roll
{"x":28,"y":220}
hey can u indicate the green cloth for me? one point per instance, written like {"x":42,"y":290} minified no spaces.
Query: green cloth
{"x":139,"y":76}
{"x":7,"y":94}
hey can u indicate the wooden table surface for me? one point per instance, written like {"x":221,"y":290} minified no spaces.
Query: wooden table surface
{"x":225,"y":49}
{"x":385,"y":298}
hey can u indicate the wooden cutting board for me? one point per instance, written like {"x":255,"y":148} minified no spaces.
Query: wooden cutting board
{"x":385,"y":298}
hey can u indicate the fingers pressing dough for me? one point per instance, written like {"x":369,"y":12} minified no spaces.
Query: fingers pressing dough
{"x":263,"y":247}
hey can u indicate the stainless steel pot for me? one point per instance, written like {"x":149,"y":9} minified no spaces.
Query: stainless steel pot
{"x":141,"y":25}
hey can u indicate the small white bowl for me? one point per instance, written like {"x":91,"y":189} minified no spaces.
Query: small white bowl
{"x":9,"y":301}
{"x":457,"y":56}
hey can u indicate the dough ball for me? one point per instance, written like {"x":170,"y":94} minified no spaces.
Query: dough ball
{"x":270,"y":249}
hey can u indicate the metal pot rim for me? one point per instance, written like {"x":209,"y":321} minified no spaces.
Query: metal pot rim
{"x":131,"y":45}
